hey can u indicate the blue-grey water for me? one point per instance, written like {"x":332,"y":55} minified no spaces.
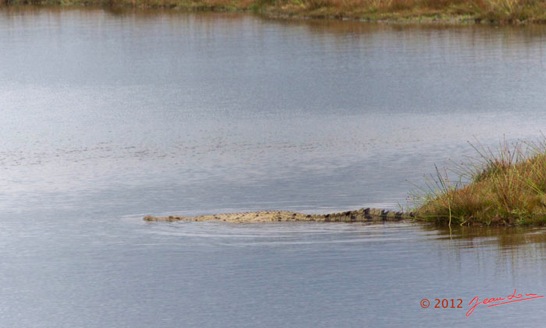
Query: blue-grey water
{"x":108,"y":116}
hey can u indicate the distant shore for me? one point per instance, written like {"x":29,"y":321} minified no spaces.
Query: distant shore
{"x":396,"y":11}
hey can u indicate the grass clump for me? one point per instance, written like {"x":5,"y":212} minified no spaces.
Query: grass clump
{"x":504,"y":188}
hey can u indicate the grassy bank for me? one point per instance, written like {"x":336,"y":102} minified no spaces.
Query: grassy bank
{"x":490,"y":11}
{"x":507,"y":187}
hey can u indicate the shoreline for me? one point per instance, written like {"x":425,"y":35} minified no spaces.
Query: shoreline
{"x":451,"y":12}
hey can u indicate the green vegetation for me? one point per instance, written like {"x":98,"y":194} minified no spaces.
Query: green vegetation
{"x":458,"y":11}
{"x":506,"y":188}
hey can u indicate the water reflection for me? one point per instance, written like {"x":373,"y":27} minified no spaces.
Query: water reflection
{"x":234,"y":111}
{"x":506,"y":238}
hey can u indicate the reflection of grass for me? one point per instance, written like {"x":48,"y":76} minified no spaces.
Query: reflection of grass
{"x":505,"y":237}
{"x":506,"y":188}
{"x":499,"y":11}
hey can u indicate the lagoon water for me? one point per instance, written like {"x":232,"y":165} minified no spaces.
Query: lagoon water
{"x":109,"y":116}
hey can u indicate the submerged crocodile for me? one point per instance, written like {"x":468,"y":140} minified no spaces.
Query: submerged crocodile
{"x":361,"y":215}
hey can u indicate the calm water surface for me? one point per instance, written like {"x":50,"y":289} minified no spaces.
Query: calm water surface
{"x":106,"y":117}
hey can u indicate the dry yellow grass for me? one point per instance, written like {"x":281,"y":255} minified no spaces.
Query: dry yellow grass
{"x":508,"y":188}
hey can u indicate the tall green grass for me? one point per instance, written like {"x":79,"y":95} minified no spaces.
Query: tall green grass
{"x":506,"y":186}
